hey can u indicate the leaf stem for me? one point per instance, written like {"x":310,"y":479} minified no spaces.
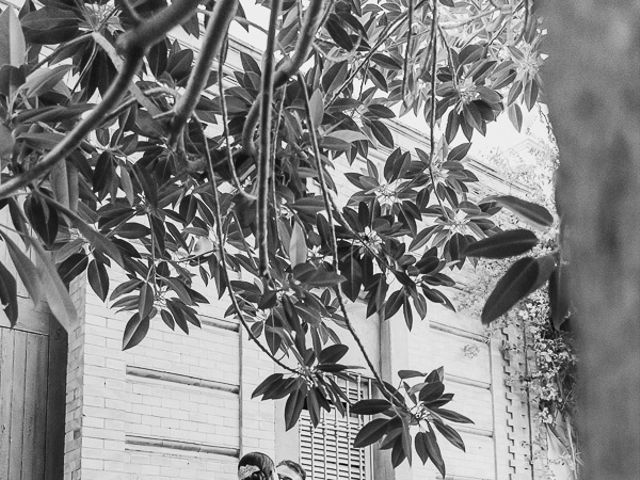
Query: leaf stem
{"x":334,"y":243}
{"x":223,"y":257}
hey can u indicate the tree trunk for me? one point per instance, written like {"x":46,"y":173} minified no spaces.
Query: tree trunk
{"x":593,"y":85}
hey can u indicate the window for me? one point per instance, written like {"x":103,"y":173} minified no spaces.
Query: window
{"x":327,"y":452}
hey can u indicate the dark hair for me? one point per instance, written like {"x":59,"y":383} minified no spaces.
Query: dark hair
{"x":296,"y":467}
{"x":260,"y":460}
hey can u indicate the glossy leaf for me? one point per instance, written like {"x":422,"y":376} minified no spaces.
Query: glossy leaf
{"x":514,"y":285}
{"x":371,"y":432}
{"x":8,"y":294}
{"x":503,"y":244}
{"x":370,"y":406}
{"x":135,"y":331}
{"x":26,"y":270}
{"x":531,"y":213}
{"x":12,"y":43}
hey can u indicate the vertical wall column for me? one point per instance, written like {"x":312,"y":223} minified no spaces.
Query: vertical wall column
{"x":257,"y":417}
{"x":394,"y":356}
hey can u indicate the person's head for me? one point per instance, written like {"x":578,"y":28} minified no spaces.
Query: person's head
{"x":290,"y":470}
{"x":256,"y":466}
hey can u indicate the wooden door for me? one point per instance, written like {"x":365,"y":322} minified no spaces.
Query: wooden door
{"x":32,"y":397}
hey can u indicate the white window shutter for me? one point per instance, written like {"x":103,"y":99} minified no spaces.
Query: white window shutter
{"x":327,"y":452}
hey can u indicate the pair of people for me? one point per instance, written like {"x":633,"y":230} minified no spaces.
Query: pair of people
{"x":259,"y":466}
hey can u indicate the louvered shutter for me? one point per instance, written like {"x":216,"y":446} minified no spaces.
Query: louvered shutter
{"x":327,"y":452}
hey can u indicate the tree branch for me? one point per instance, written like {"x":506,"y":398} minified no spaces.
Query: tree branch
{"x":432,"y":115}
{"x":225,"y":126}
{"x":289,"y":67}
{"x":407,"y":50}
{"x":223,"y":13}
{"x":266,"y":94}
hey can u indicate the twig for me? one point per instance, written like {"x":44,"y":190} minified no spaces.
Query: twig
{"x":432,"y":116}
{"x":289,"y":67}
{"x":266,"y":94}
{"x":223,"y":13}
{"x":334,"y":243}
{"x":225,"y":123}
{"x":525,"y":24}
{"x":223,"y":256}
{"x":407,"y":51}
{"x":454,"y":73}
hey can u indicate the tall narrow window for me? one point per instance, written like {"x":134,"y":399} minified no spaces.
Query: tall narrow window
{"x":327,"y":452}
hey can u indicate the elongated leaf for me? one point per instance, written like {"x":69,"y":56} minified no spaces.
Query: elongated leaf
{"x":371,"y":432}
{"x":298,"y":245}
{"x":9,"y":294}
{"x":293,"y":408}
{"x":434,"y":452}
{"x":431,"y":391}
{"x":532,"y":213}
{"x":546,"y":266}
{"x":515,"y":284}
{"x":266,"y":384}
{"x":450,"y":434}
{"x":404,"y":374}
{"x":332,"y":353}
{"x":100,"y":242}
{"x":503,"y":244}
{"x":98,"y":279}
{"x":135,"y":331}
{"x":452,"y":416}
{"x":344,"y":137}
{"x":370,"y":406}
{"x":26,"y":269}
{"x":421,"y":446}
{"x":56,"y":293}
{"x":12,"y":44}
{"x":145,"y":303}
{"x":382,"y":133}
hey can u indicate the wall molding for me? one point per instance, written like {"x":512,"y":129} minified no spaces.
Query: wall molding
{"x":467,"y":381}
{"x":443,"y":327}
{"x":180,"y":445}
{"x":180,"y":379}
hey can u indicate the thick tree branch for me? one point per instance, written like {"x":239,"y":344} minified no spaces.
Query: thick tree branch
{"x":266,"y":94}
{"x":223,"y":13}
{"x":289,"y":67}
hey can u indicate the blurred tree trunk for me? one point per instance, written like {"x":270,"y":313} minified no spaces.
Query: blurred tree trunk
{"x":593,"y":87}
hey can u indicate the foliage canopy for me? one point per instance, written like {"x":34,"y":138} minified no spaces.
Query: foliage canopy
{"x":118,"y":152}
